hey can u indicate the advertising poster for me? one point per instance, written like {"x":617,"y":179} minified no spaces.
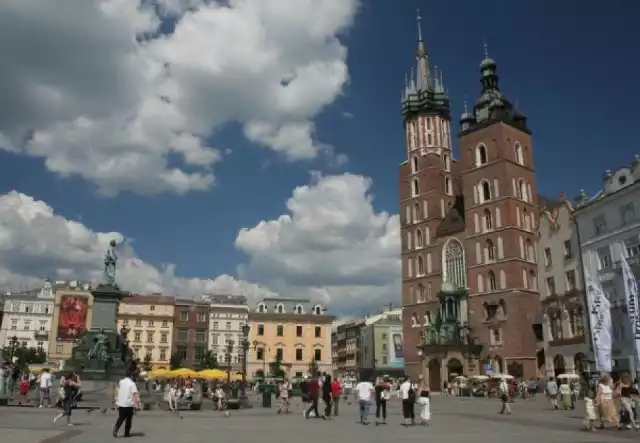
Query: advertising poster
{"x":72,"y":318}
{"x":396,"y":347}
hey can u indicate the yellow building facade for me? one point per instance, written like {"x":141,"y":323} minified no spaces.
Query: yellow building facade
{"x":295,"y":331}
{"x":149,"y":320}
{"x":72,"y":317}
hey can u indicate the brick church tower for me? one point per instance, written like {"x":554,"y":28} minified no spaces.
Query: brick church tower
{"x":469,"y":286}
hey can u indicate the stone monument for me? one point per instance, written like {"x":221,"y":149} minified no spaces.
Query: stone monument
{"x":102,"y":354}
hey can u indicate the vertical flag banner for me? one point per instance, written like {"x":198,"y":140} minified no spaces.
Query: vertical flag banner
{"x":631,"y":294}
{"x":600,"y":322}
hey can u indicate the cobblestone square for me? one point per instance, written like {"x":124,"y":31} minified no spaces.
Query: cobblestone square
{"x":458,"y":420}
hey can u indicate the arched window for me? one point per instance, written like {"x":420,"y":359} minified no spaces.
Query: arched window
{"x":412,"y":295}
{"x":491,"y":277}
{"x":491,"y":250}
{"x":488,"y":221}
{"x":522,"y":190}
{"x":317,"y":310}
{"x":420,"y":270}
{"x":414,"y":164}
{"x":414,"y":320}
{"x":530,"y":251}
{"x":419,"y":240}
{"x":262,"y":308}
{"x":518,"y":154}
{"x":415,"y":187}
{"x":416,"y":213}
{"x":481,"y":155}
{"x":533,"y":281}
{"x":447,"y":163}
{"x":525,"y":219}
{"x":420,"y":293}
{"x":280,"y":308}
{"x":429,"y":295}
{"x":454,"y":265}
{"x":299,"y":309}
{"x":448,"y":187}
{"x":485,"y":191}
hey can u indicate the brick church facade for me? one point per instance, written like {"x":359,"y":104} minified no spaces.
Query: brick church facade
{"x":469,"y":290}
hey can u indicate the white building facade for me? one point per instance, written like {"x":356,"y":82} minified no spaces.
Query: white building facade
{"x":609,"y":228}
{"x":227,"y":316}
{"x":28,"y":317}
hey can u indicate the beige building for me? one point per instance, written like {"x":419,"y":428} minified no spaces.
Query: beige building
{"x":295,"y":331}
{"x":149,"y":319}
{"x":228,"y":313}
{"x":564,"y":322}
{"x":72,"y":316}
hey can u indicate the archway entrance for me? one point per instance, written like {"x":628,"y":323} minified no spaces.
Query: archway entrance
{"x":454,"y":367}
{"x":558,"y":365}
{"x":435,"y":381}
{"x":541,"y":363}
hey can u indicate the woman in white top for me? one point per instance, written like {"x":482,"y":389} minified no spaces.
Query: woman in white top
{"x":565,"y":394}
{"x":604,"y":401}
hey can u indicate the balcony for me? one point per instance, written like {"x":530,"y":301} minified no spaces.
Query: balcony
{"x":41,"y":335}
{"x":449,"y":336}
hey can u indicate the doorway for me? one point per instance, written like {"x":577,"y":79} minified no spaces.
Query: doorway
{"x":454,"y":368}
{"x":435,"y":381}
{"x":558,"y":365}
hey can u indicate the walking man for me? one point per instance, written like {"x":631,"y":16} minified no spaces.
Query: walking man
{"x":127,"y":401}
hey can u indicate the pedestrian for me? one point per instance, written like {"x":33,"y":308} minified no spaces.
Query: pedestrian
{"x":284,"y":389}
{"x":503,"y":388}
{"x":552,"y":392}
{"x":424,"y":402}
{"x":326,"y":396}
{"x":383,"y":394}
{"x":46,"y":383}
{"x":590,"y":415}
{"x":313,"y":392}
{"x":127,"y":402}
{"x":68,"y":387}
{"x":23,"y":388}
{"x":336,"y":392}
{"x":364,"y":392}
{"x":407,"y":394}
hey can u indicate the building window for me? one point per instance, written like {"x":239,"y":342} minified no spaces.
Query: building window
{"x":317,"y":354}
{"x":152,"y":308}
{"x":447,"y":163}
{"x":59,"y":348}
{"x":385,"y":360}
{"x":419,"y":241}
{"x":485,"y":191}
{"x":600,"y":224}
{"x":280,"y":309}
{"x":299,"y":309}
{"x":14,"y":324}
{"x":163,"y":355}
{"x":420,"y":269}
{"x":149,"y":337}
{"x":548,"y":259}
{"x":280,"y":330}
{"x":414,"y":164}
{"x":420,"y":293}
{"x":136,"y":336}
{"x":279,"y":354}
{"x":492,"y":281}
{"x":317,"y":310}
{"x":448,"y":187}
{"x":125,"y":322}
{"x":202,"y":317}
{"x":491,"y":250}
{"x":551,"y":286}
{"x":416,"y":213}
{"x":455,"y":270}
{"x":571,"y":280}
{"x":227,"y":326}
{"x":518,"y":154}
{"x":260,"y":354}
{"x":27,"y":325}
{"x":261,"y":330}
{"x":522,"y":190}
{"x":201,"y":337}
{"x":151,"y":323}
{"x":487,"y":220}
{"x":415,"y":188}
{"x":530,"y":254}
{"x":298,"y":331}
{"x":429,"y":140}
{"x":604,"y":257}
{"x":481,"y":155}
{"x":182,"y":352}
{"x":262,"y":308}
{"x":567,"y":250}
{"x":632,"y":247}
{"x":164,"y":337}
{"x":298,"y":354}
{"x":138,"y":322}
{"x":184,"y":316}
{"x":496,"y":336}
{"x":183,"y":335}
{"x":318,"y":331}
{"x":627,"y":214}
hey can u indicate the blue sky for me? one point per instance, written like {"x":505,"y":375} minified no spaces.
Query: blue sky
{"x":569,"y":64}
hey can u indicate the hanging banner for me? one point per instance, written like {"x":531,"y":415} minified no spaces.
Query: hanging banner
{"x":600,"y":322}
{"x":631,"y":294}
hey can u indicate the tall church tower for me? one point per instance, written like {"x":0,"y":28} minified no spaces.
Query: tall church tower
{"x":500,"y":209}
{"x":429,"y":180}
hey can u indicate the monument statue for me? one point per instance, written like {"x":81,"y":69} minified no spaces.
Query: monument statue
{"x":100,"y":349}
{"x":110,"y":261}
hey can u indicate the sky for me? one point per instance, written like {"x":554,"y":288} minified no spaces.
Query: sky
{"x":252,"y":147}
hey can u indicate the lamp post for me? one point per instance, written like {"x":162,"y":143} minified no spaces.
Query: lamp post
{"x":245,"y":348}
{"x":229,"y":349}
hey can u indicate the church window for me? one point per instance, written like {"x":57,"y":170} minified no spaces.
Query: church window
{"x":414,"y":164}
{"x":419,"y":241}
{"x":415,"y":187}
{"x":407,"y":215}
{"x":488,"y":222}
{"x":412,"y":295}
{"x":481,"y":155}
{"x":527,"y":221}
{"x":454,"y":266}
{"x":429,"y":140}
{"x":429,"y":295}
{"x":447,"y":163}
{"x":530,"y":254}
{"x":518,"y":154}
{"x":428,"y":123}
{"x":485,"y":191}
{"x":409,"y":240}
{"x":420,"y":294}
{"x":416,"y":213}
{"x":491,"y":277}
{"x":420,"y":270}
{"x":522,"y":190}
{"x":491,"y":250}
{"x":447,"y":186}
{"x":533,"y":281}
{"x":427,"y":236}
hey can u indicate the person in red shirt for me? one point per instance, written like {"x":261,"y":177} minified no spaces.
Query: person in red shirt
{"x":23,"y":387}
{"x":313,"y":390}
{"x":336,"y":391}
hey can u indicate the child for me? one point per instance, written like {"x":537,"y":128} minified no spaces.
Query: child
{"x":590,"y":415}
{"x":23,"y":387}
{"x":219,"y":396}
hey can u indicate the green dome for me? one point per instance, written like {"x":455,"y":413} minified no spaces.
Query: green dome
{"x":487,"y":63}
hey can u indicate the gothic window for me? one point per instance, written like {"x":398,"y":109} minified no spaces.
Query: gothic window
{"x":414,"y":320}
{"x":447,"y":186}
{"x":491,"y":250}
{"x":533,"y":281}
{"x":427,"y":236}
{"x":488,"y":222}
{"x":492,"y":281}
{"x":409,"y":241}
{"x":412,"y":295}
{"x":525,"y":219}
{"x":416,"y":213}
{"x":414,"y":164}
{"x":454,"y":266}
{"x":530,"y":252}
{"x":420,"y":293}
{"x":415,"y":187}
{"x":419,"y":242}
{"x":481,"y":155}
{"x":485,"y":191}
{"x":447,"y":163}
{"x":420,"y":270}
{"x":522,"y":190}
{"x":429,"y":295}
{"x":429,"y":140}
{"x":518,"y":154}
{"x":577,"y":321}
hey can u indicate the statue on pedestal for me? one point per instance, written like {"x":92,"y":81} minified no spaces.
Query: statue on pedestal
{"x":100,"y":349}
{"x":110,"y":262}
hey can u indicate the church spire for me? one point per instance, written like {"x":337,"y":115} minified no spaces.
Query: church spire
{"x":423,"y":75}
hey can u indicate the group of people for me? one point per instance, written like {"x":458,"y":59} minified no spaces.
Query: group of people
{"x":600,"y":405}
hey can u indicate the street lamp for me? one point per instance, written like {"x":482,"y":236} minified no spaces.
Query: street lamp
{"x":245,"y":348}
{"x":229,"y":349}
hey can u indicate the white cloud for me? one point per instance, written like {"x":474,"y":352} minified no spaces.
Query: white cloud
{"x":331,"y":246}
{"x":94,"y":101}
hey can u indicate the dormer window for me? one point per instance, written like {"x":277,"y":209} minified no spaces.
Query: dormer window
{"x":280,"y":308}
{"x":317,"y":310}
{"x":262,"y":308}
{"x":299,"y":309}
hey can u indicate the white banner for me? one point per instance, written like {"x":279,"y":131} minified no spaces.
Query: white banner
{"x":600,"y":322}
{"x":631,"y":294}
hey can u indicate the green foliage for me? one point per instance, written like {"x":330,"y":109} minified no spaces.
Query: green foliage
{"x":146,"y":363}
{"x":25,"y":356}
{"x":209,"y":360}
{"x":175,"y":361}
{"x":313,"y":368}
{"x":275,"y":368}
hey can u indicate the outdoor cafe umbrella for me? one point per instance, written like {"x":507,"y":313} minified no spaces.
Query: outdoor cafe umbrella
{"x":183,"y":372}
{"x":158,"y":373}
{"x":212,"y":374}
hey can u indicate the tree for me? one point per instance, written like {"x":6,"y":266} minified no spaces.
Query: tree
{"x":146,"y":363}
{"x":209,"y":360}
{"x":275,"y":368}
{"x":313,"y":368}
{"x":24,"y":356}
{"x":175,"y":361}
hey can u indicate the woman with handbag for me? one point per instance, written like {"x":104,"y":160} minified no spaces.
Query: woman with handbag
{"x":68,"y":387}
